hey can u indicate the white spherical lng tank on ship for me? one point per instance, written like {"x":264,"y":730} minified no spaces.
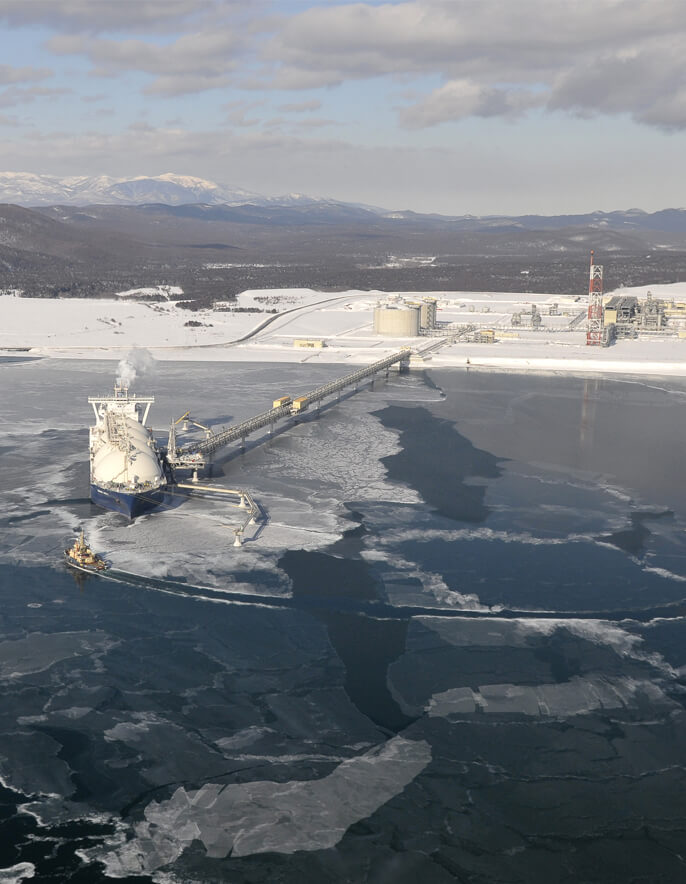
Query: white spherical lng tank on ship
{"x":397,"y":320}
{"x":138,"y":464}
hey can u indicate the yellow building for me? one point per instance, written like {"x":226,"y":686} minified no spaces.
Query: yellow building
{"x":308,"y":343}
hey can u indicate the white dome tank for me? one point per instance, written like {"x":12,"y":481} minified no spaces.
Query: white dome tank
{"x":397,"y":320}
{"x":127,"y":460}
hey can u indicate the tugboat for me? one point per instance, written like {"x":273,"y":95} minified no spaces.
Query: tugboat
{"x":82,"y":557}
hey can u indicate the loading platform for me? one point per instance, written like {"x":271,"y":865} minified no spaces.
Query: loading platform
{"x":239,"y":498}
{"x":195,"y":455}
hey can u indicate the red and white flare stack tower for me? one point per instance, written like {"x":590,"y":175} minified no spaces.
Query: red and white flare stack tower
{"x":594,"y":327}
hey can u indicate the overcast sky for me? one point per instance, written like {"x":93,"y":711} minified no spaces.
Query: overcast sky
{"x":452,"y":106}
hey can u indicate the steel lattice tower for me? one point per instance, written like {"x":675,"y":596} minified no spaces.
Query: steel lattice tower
{"x":594,"y":327}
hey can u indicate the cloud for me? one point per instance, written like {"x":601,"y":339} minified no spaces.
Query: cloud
{"x":647,"y":82}
{"x":192,"y":63}
{"x":464,"y":98}
{"x":301,"y":106}
{"x":667,"y":112}
{"x":236,"y":113}
{"x":312,"y":123}
{"x":485,"y":176}
{"x":493,"y":58}
{"x":462,"y":38}
{"x":275,"y":123}
{"x":497,"y":57}
{"x":9,"y":74}
{"x":103,"y":112}
{"x":275,"y":158}
{"x":94,"y":16}
{"x":17,"y":95}
{"x":456,"y":39}
{"x":173,"y":85}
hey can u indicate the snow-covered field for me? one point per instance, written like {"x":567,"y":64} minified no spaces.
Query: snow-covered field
{"x":105,"y":329}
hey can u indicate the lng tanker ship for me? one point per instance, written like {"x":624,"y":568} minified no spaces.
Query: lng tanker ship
{"x":127,"y":475}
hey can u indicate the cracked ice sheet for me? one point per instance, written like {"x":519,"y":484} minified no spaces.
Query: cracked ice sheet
{"x":326,"y":454}
{"x":434,"y":590}
{"x":195,"y":542}
{"x":34,"y":523}
{"x":38,"y":651}
{"x":262,"y":817}
{"x":579,"y":696}
{"x":518,"y":633}
{"x":18,"y":873}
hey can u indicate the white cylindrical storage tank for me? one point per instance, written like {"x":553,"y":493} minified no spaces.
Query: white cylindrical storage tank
{"x":397,"y":320}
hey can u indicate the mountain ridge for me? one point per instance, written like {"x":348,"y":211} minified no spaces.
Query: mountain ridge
{"x":33,"y":190}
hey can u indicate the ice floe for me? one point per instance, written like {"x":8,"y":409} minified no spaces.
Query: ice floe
{"x":600,"y":632}
{"x":578,"y":696}
{"x":18,"y":873}
{"x":262,"y":817}
{"x":39,"y":651}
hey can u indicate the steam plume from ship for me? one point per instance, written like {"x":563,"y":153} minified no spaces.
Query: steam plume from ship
{"x":136,"y":363}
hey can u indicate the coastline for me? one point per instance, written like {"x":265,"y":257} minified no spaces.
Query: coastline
{"x":335,"y":328}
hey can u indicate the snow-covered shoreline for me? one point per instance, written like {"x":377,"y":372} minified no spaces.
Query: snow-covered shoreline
{"x":269,"y":326}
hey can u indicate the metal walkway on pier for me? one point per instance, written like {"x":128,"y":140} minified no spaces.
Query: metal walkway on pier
{"x":195,"y":454}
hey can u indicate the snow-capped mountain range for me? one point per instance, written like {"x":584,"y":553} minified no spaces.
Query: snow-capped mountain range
{"x":29,"y":189}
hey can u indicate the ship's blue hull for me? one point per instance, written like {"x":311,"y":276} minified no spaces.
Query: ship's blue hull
{"x":130,"y":505}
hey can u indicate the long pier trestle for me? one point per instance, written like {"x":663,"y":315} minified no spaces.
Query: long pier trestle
{"x":194,"y":455}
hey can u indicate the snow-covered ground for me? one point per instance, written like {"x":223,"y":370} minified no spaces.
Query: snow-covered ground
{"x":277,"y":318}
{"x":153,"y":291}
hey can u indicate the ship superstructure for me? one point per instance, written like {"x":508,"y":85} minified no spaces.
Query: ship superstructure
{"x":126,"y":469}
{"x":82,"y":557}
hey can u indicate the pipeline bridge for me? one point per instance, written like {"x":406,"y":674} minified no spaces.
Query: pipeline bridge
{"x":194,"y":455}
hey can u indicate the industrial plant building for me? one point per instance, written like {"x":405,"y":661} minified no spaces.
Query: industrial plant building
{"x":629,"y":316}
{"x":401,"y":318}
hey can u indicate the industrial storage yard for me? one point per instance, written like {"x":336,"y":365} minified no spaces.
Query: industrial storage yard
{"x":499,"y":330}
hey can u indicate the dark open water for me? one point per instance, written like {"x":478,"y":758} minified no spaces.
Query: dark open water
{"x":481,"y":680}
